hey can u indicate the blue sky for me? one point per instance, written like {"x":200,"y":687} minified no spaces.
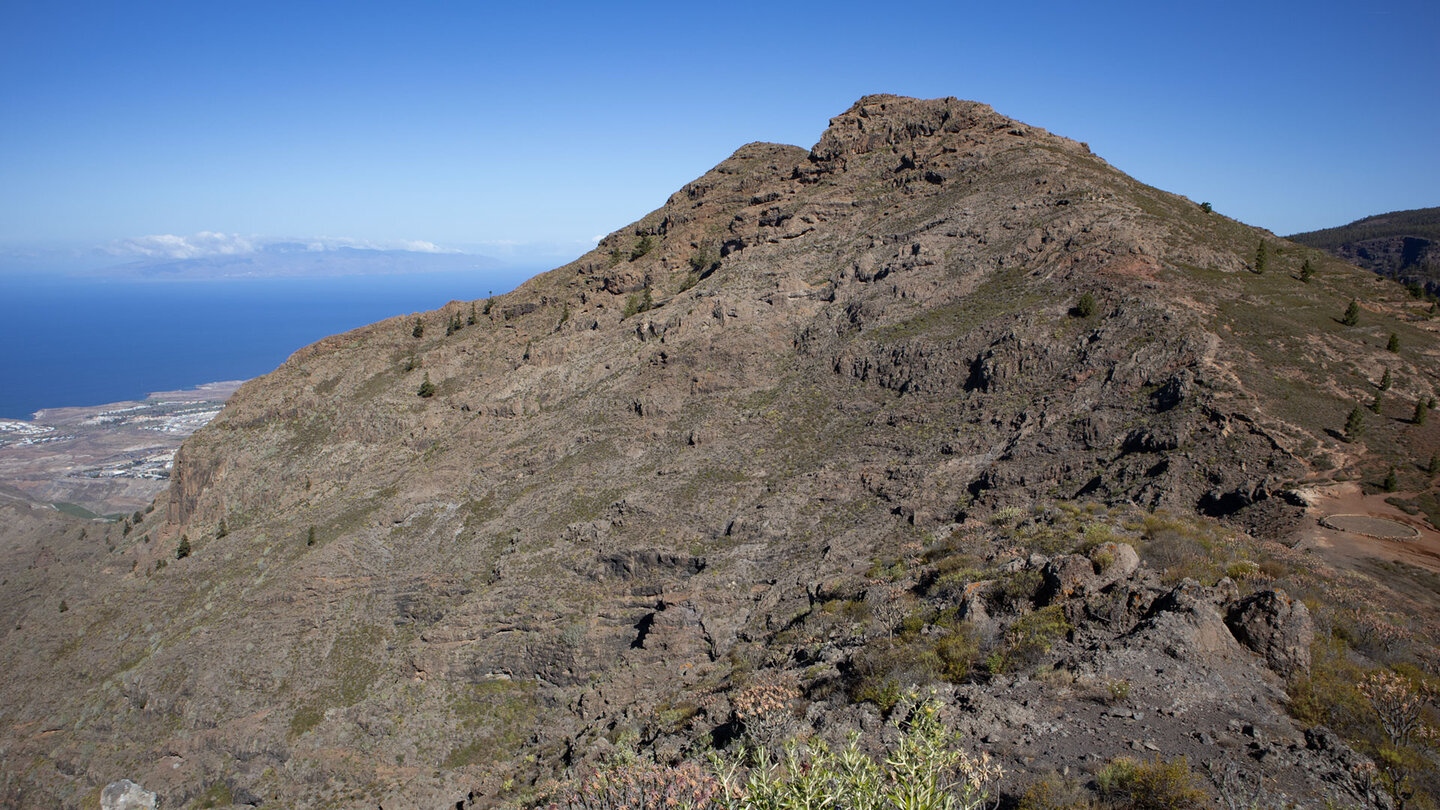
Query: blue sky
{"x":523,"y":130}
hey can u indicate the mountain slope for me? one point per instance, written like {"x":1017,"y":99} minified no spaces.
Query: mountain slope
{"x":642,"y":475}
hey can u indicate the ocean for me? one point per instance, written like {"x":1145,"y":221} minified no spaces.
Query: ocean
{"x":70,"y":341}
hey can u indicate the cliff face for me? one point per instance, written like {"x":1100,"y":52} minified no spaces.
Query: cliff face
{"x":638,"y":471}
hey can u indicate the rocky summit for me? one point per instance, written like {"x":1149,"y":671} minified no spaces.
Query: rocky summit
{"x":945,"y":405}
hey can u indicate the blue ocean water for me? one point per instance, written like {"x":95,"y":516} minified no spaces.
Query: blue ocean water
{"x":74,"y":341}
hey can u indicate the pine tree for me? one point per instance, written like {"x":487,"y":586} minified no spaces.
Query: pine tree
{"x":1352,"y":313}
{"x":1086,"y":307}
{"x":183,"y":550}
{"x":427,"y":388}
{"x":1385,"y":381}
{"x":1391,"y":482}
{"x":419,"y":329}
{"x":1307,"y":271}
{"x":222,"y":530}
{"x":471,"y":320}
{"x":1393,"y":344}
{"x":1378,"y":403}
{"x":1262,"y":258}
{"x":1422,"y":410}
{"x":1354,"y":424}
{"x":310,"y":537}
{"x":1434,"y":468}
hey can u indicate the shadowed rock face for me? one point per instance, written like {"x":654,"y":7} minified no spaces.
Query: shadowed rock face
{"x":638,"y":469}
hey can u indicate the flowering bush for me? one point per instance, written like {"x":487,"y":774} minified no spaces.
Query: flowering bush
{"x":924,"y":770}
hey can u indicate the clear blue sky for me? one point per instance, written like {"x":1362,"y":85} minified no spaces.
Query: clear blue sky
{"x":474,"y":125}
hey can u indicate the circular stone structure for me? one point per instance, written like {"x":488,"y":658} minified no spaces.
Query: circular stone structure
{"x":1370,"y":526}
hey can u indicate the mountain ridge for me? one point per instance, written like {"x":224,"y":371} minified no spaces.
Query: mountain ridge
{"x":1402,"y":245}
{"x":811,"y":378}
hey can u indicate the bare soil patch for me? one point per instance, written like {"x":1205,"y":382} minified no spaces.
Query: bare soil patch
{"x":1351,"y":529}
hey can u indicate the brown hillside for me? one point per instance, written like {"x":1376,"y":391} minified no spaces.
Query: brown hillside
{"x":703,"y":454}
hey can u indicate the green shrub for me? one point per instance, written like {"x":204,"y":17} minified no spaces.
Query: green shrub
{"x":637,"y":303}
{"x":1152,"y":785}
{"x":1307,"y":271}
{"x":427,"y":388}
{"x":1352,"y":314}
{"x":418,"y":330}
{"x":958,"y":652}
{"x":642,"y":247}
{"x":1033,"y":634}
{"x":1086,"y":306}
{"x":924,"y":770}
{"x":1393,"y":344}
{"x":1056,"y":792}
{"x":183,"y":550}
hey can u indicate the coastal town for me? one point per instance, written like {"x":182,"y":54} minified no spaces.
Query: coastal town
{"x":106,"y":458}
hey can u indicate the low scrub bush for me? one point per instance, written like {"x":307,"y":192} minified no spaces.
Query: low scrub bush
{"x":1156,"y":784}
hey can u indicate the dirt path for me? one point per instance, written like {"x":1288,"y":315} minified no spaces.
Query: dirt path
{"x":1349,"y":549}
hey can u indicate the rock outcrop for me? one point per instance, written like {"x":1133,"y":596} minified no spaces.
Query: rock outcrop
{"x":1277,"y":627}
{"x":126,"y":795}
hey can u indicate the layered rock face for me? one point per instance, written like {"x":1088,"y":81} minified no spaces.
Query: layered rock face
{"x":636,"y":471}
